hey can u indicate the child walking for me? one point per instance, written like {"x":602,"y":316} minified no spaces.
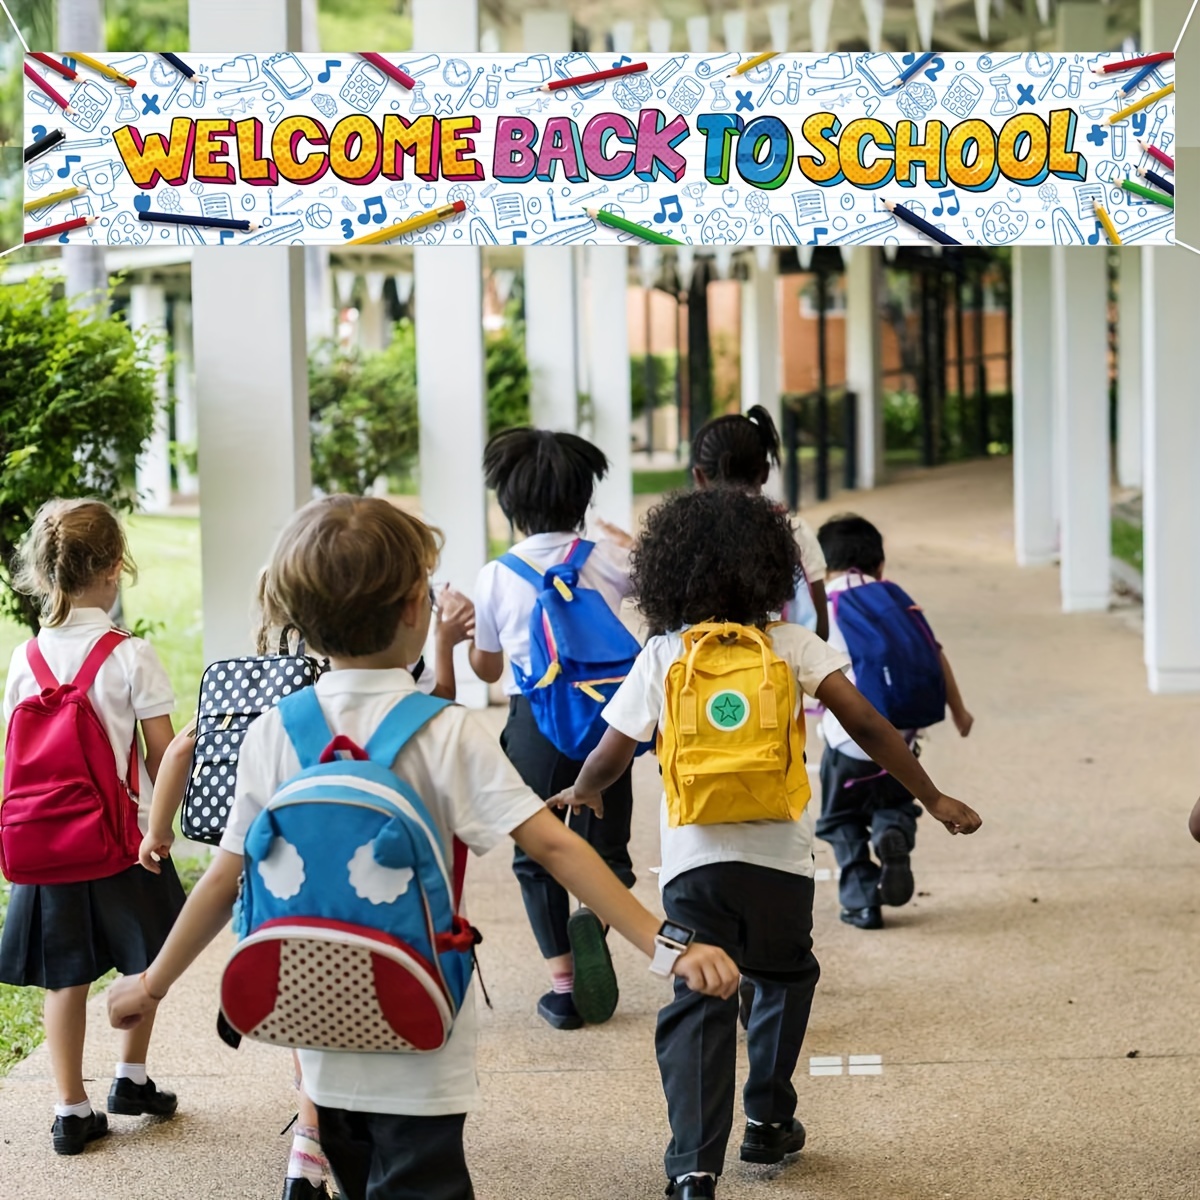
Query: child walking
{"x":862,"y":805}
{"x":352,"y":574}
{"x":62,"y":936}
{"x":544,"y":483}
{"x":724,"y":689}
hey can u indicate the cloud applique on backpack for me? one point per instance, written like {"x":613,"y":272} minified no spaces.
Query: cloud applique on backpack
{"x":350,"y":937}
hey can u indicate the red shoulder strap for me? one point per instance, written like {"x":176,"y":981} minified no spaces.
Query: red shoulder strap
{"x":96,"y":659}
{"x":460,"y":872}
{"x":39,"y":666}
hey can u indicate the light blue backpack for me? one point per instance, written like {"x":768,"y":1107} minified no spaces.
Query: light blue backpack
{"x":348,"y":925}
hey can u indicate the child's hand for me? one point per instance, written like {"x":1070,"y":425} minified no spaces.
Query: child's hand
{"x":954,"y":814}
{"x":963,"y":721}
{"x":1194,"y":821}
{"x":155,"y":847}
{"x":456,"y":617}
{"x":129,"y":1002}
{"x":614,"y":533}
{"x":708,"y":969}
{"x":577,"y":801}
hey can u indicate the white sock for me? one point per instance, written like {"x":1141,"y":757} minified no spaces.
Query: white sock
{"x":132,"y":1071}
{"x":695,"y":1175}
{"x":82,"y":1109}
{"x":774,"y":1124}
{"x":307,"y":1159}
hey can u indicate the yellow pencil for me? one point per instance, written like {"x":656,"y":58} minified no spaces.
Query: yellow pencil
{"x":751,"y":63}
{"x":1142,"y":103}
{"x":57,"y":198}
{"x":104,"y":69}
{"x":1105,"y":220}
{"x":403,"y":227}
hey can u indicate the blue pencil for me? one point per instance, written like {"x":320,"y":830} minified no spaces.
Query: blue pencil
{"x":921,"y":225}
{"x":923,"y":60}
{"x":1159,"y":181}
{"x":1144,"y":73}
{"x":178,"y":64}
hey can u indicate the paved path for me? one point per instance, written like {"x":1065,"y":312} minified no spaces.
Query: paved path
{"x":1005,"y":1001}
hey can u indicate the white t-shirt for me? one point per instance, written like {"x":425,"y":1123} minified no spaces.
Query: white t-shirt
{"x":637,"y":710}
{"x":473,"y":792}
{"x":131,"y":686}
{"x":812,"y":557}
{"x":504,"y":601}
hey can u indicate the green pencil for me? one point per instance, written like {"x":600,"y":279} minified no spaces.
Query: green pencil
{"x":1148,"y":193}
{"x":615,"y":222}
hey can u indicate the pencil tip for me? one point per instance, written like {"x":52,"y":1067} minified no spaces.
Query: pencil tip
{"x":890,"y":205}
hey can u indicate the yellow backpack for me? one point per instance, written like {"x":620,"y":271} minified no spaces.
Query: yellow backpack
{"x":731,"y":746}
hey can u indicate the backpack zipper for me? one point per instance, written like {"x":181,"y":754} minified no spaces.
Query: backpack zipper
{"x":588,"y":686}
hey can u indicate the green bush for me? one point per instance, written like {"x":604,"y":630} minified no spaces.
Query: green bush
{"x":665,"y":367}
{"x":507,"y":376}
{"x":902,"y":420}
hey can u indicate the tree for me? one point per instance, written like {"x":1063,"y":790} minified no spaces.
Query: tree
{"x":76,"y":408}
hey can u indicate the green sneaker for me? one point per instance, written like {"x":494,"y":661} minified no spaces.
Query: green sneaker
{"x":596,"y":990}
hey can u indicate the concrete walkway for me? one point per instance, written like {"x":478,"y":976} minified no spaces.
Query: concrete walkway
{"x":1034,"y":1008}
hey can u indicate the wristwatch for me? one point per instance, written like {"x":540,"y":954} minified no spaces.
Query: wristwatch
{"x":669,"y":943}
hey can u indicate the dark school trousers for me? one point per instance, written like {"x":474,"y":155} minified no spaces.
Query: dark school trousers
{"x":859,"y":802}
{"x":377,"y":1156}
{"x":547,"y":772}
{"x":762,"y":918}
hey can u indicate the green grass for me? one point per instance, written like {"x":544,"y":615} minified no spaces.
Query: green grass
{"x":654,"y":483}
{"x":1127,"y":542}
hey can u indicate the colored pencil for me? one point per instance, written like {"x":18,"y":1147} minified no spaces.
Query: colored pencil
{"x":1105,"y":220}
{"x":401,"y":77}
{"x":1133,"y":85}
{"x":1154,"y":152}
{"x":104,"y":69}
{"x":43,"y":144}
{"x":556,"y":85}
{"x":35,"y":78}
{"x":916,"y":222}
{"x":615,"y":222}
{"x":48,"y":60}
{"x":1148,"y":193}
{"x":402,"y":227}
{"x":55,"y":198}
{"x":1144,"y":60}
{"x":1144,"y":102}
{"x":178,"y":64}
{"x":922,"y":61}
{"x":200,"y":222}
{"x":37,"y":235}
{"x":751,"y":63}
{"x":1158,"y":180}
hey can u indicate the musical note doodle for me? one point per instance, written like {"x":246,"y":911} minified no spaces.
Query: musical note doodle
{"x":379,"y":217}
{"x":816,"y":233}
{"x":325,"y":75}
{"x":1096,"y":235}
{"x":518,"y":235}
{"x":663,"y":216}
{"x":951,"y":195}
{"x":622,"y":60}
{"x":63,"y":172}
{"x":225,"y":235}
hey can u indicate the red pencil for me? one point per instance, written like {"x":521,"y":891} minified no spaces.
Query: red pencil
{"x":34,"y":77}
{"x":556,"y":85}
{"x":1154,"y":152}
{"x":1146,"y":60}
{"x":50,"y":61}
{"x":401,"y":77}
{"x":37,"y":235}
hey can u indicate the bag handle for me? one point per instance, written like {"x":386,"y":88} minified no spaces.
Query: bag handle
{"x":688,"y":706}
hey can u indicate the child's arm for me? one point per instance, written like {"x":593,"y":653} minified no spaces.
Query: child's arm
{"x":206,"y":913}
{"x":456,"y":623}
{"x":821,"y":604}
{"x":487,"y":664}
{"x":886,"y":747}
{"x":158,"y":733}
{"x":1194,"y":821}
{"x":581,"y":871}
{"x":614,"y":533}
{"x":169,"y":788}
{"x":605,"y":765}
{"x":958,"y":710}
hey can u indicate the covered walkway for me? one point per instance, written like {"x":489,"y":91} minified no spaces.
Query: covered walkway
{"x":1034,"y":1009}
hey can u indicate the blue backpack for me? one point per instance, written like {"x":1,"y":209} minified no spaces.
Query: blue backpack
{"x":348,"y":925}
{"x":579,"y":653}
{"x":897,"y":660}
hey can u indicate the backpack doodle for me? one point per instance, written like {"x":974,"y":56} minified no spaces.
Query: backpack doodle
{"x":731,"y":746}
{"x":350,"y":938}
{"x":897,"y":661}
{"x":579,"y":653}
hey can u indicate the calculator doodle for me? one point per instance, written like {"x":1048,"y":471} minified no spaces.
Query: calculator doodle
{"x":363,"y":88}
{"x":289,"y":74}
{"x":686,"y":95}
{"x":89,"y":102}
{"x":963,"y":94}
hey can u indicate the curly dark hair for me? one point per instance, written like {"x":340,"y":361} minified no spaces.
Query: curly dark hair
{"x":718,"y":554}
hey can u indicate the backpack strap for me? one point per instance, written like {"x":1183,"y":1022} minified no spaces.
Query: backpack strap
{"x":522,"y":567}
{"x":405,"y":719}
{"x":579,"y":553}
{"x":99,"y":654}
{"x":305,"y":725}
{"x":42,"y":674}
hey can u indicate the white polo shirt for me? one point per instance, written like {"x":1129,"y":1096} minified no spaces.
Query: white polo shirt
{"x":812,"y":557}
{"x":472,"y":792}
{"x":504,"y":600}
{"x":638,"y":709}
{"x":131,"y":686}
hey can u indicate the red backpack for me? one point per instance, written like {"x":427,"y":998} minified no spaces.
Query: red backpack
{"x":66,"y":815}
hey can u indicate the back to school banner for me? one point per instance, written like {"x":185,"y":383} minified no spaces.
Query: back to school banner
{"x":299,"y":149}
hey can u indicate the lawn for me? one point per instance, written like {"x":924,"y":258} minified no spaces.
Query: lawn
{"x":1127,"y":542}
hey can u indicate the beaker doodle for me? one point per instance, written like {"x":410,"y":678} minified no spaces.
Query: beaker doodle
{"x":720,"y":101}
{"x":128,"y":110}
{"x":1004,"y":104}
{"x":1074,"y":80}
{"x":419,"y":103}
{"x":794,"y":79}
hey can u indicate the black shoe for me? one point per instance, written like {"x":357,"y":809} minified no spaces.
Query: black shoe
{"x":71,"y":1134}
{"x":558,"y":1009}
{"x":745,"y":1002}
{"x":863,"y":918}
{"x":896,"y":878}
{"x":596,"y":989}
{"x":303,"y":1189}
{"x":131,"y":1099}
{"x":694,"y":1187}
{"x":768,"y":1144}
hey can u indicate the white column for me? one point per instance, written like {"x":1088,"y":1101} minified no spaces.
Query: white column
{"x":374,"y":324}
{"x":450,"y":382}
{"x":1079,"y":289}
{"x":1129,"y":368}
{"x":252,"y":393}
{"x":148,"y":317}
{"x":184,"y":386}
{"x":760,"y":344}
{"x":863,"y":360}
{"x":612,"y":403}
{"x":1035,"y":526}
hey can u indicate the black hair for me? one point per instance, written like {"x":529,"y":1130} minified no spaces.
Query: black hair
{"x":851,"y":543}
{"x":737,"y":449}
{"x":543,"y":481}
{"x":718,"y":554}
